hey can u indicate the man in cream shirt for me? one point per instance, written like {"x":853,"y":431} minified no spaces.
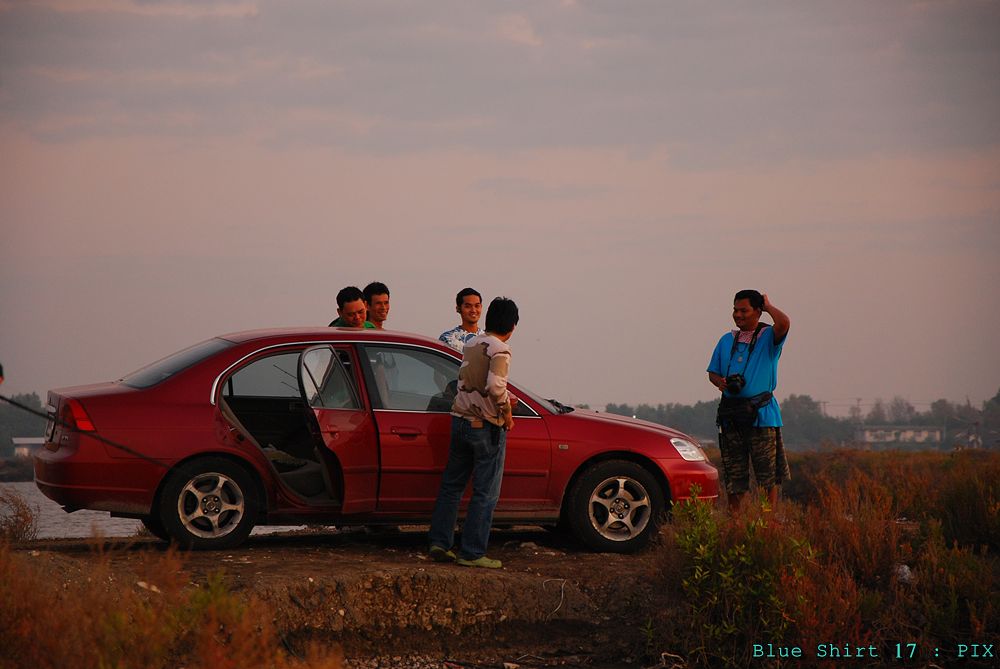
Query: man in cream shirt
{"x":482,"y":413}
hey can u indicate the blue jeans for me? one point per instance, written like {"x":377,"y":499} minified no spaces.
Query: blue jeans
{"x":479,"y":452}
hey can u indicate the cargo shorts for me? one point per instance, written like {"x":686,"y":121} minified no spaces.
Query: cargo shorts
{"x":760,"y":447}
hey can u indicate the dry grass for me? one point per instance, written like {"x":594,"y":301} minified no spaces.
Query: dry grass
{"x":18,"y":521}
{"x":842,"y":566}
{"x":826,"y":567}
{"x":159,"y":620}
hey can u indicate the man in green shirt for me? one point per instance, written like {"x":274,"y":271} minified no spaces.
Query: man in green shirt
{"x":351,"y":310}
{"x":377,"y":300}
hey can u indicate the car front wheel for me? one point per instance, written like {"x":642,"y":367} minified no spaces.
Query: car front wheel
{"x":209,"y":504}
{"x":615,"y":506}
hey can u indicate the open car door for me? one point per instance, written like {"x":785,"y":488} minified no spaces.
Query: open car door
{"x":350,"y":448}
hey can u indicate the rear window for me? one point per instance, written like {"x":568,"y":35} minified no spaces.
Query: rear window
{"x":273,"y":376}
{"x":161,"y":370}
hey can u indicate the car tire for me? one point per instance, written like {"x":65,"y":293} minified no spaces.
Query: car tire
{"x":560,"y":527}
{"x":209,"y":504}
{"x":155,"y":527}
{"x":615,"y":507}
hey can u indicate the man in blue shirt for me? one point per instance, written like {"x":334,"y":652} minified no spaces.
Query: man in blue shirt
{"x":744,"y":367}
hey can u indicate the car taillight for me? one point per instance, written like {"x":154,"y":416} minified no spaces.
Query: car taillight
{"x":76,"y":416}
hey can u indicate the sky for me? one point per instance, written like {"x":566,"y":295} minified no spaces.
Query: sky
{"x":171,"y":171}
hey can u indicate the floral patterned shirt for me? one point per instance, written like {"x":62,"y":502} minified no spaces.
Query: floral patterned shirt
{"x":457,"y":337}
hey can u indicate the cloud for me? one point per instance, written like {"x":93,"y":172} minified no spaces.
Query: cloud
{"x":718,"y":85}
{"x":518,"y":29}
{"x":192,"y":9}
{"x":536,"y":189}
{"x":612,"y":158}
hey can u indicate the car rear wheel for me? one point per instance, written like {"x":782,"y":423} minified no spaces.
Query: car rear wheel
{"x":615,"y":507}
{"x":209,"y":504}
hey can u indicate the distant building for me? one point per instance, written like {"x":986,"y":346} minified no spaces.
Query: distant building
{"x":876,"y":436}
{"x":25,"y":447}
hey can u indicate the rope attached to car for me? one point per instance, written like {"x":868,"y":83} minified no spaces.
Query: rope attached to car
{"x":92,"y":435}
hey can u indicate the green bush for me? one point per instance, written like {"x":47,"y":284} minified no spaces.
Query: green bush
{"x":883,"y":548}
{"x":732,"y":572}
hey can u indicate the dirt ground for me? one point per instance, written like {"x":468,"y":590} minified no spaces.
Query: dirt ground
{"x":554,"y":603}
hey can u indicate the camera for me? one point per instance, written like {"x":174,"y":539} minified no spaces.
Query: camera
{"x":735,"y":383}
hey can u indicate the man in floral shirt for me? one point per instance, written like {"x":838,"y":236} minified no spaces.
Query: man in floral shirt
{"x":481,"y":415}
{"x":469,"y":305}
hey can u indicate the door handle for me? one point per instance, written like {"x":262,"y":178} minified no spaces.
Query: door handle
{"x":406,"y":432}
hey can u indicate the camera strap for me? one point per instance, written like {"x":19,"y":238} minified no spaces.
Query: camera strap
{"x":736,"y":343}
{"x":741,"y":412}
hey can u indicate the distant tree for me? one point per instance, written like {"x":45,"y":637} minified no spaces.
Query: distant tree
{"x":900,"y":411}
{"x":698,"y":420}
{"x":15,"y":422}
{"x":941,"y":412}
{"x":803,"y":420}
{"x":648,"y":412}
{"x":801,"y":406}
{"x":620,"y":409}
{"x":877,"y":414}
{"x":991,"y":421}
{"x":968,"y":413}
{"x":806,"y":426}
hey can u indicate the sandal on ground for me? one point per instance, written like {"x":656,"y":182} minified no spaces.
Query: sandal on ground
{"x":484,"y":562}
{"x":440,"y":554}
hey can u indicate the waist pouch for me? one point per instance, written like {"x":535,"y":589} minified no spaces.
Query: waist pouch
{"x":740,"y":412}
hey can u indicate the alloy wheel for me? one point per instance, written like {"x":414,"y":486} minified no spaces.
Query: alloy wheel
{"x":211,"y":505}
{"x":619,"y":508}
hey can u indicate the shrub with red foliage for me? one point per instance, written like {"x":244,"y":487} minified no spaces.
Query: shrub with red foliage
{"x":158,"y":621}
{"x":884,"y":548}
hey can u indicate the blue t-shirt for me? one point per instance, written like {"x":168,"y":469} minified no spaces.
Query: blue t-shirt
{"x":761,"y":370}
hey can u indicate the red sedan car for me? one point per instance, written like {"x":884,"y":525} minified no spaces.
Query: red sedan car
{"x":335,"y":426}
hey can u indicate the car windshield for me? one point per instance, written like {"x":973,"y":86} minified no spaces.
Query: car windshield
{"x":549,"y":405}
{"x":161,"y":370}
{"x":562,"y":408}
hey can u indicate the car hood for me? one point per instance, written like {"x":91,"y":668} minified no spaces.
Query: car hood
{"x":635,"y":423}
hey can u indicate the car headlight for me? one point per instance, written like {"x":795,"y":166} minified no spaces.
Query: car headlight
{"x":687,"y":450}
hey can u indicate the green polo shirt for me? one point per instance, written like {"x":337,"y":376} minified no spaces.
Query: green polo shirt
{"x":339,"y":323}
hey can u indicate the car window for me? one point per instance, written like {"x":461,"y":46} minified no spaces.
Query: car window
{"x":411,"y":379}
{"x":522,"y":409}
{"x":325,"y":380}
{"x":273,"y":376}
{"x":161,"y":370}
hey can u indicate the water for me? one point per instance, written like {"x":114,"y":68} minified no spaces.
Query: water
{"x":54,"y":523}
